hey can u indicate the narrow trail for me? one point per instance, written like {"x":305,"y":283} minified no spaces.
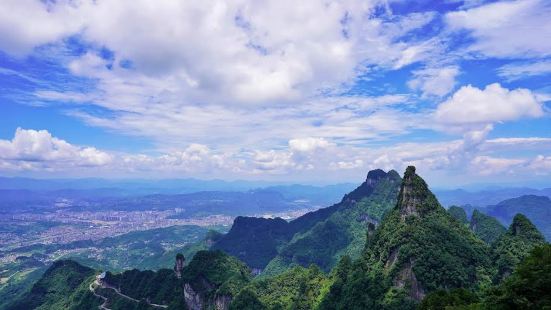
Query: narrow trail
{"x":103,"y":305}
{"x":105,"y":299}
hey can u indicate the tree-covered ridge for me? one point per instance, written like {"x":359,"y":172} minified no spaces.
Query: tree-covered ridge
{"x":344,"y":232}
{"x":255,"y":240}
{"x":216,"y":273}
{"x":513,"y":246}
{"x":319,"y":237}
{"x":414,"y":255}
{"x":63,"y":286}
{"x":296,"y":288}
{"x":459,"y":214}
{"x":486,"y":227}
{"x":529,"y":285}
{"x":418,"y":248}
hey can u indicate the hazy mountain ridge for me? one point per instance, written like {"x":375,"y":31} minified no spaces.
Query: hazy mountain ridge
{"x":304,"y":240}
{"x":418,"y":255}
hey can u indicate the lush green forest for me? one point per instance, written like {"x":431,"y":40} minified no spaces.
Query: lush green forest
{"x":359,"y":254}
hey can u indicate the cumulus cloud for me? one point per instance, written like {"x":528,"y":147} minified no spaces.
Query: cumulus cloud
{"x":18,"y":20}
{"x":434,"y":81}
{"x":507,"y":28}
{"x":37,"y":148}
{"x":308,"y":144}
{"x":472,"y":106}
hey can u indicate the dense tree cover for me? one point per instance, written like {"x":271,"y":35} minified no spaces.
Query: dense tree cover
{"x":529,"y":286}
{"x":458,"y":298}
{"x":214,"y":273}
{"x":418,"y":248}
{"x":536,"y":208}
{"x":63,"y":286}
{"x":419,"y":256}
{"x":304,"y":240}
{"x":344,"y":231}
{"x":486,"y":227}
{"x":296,"y":288}
{"x":513,"y":246}
{"x":161,"y":287}
{"x":255,"y":240}
{"x":459,"y":214}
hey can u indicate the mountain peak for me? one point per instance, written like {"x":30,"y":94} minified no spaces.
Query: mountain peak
{"x":415,"y":198}
{"x":374,"y":177}
{"x":522,"y":227}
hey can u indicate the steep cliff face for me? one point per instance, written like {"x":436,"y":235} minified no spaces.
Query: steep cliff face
{"x":419,"y":247}
{"x":344,"y":231}
{"x":212,"y":279}
{"x":319,"y":237}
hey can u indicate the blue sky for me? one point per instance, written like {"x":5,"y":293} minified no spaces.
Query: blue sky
{"x":316,"y":91}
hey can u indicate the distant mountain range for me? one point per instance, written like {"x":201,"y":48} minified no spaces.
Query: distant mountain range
{"x":412,"y":254}
{"x":487,"y":197}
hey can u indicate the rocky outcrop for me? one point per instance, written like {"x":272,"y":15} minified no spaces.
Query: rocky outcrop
{"x":195,"y":301}
{"x":368,"y":186}
{"x":179,"y":265}
{"x":192,"y":298}
{"x":406,"y":279}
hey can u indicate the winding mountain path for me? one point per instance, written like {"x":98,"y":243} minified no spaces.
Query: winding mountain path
{"x":105,"y":299}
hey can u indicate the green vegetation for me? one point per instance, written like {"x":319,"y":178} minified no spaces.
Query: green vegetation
{"x":486,"y":227}
{"x":513,"y":246}
{"x":458,"y":298}
{"x":255,"y":240}
{"x":296,"y":288}
{"x":214,"y":273}
{"x":419,"y":256}
{"x":529,"y":285}
{"x":63,"y":286}
{"x":319,"y":237}
{"x":417,"y":249}
{"x":148,"y":249}
{"x":344,"y":231}
{"x":459,"y":214}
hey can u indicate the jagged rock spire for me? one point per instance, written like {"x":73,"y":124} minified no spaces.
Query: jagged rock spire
{"x":179,"y":265}
{"x":415,"y":198}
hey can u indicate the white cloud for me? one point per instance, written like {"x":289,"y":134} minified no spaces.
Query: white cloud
{"x":472,"y":106}
{"x":434,"y":81}
{"x":486,"y":165}
{"x":541,"y":165}
{"x":25,"y":24}
{"x":308,"y":144}
{"x":516,"y":71}
{"x":31,"y":148}
{"x":507,"y":28}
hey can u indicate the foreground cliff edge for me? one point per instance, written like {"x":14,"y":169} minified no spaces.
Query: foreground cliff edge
{"x":415,"y":254}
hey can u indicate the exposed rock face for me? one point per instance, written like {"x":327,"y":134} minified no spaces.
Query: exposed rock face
{"x":415,"y":198}
{"x":367,"y":187}
{"x":222,"y":302}
{"x":409,"y":198}
{"x":179,"y":265}
{"x":406,"y":279}
{"x":195,"y":301}
{"x":412,"y":244}
{"x":192,"y":298}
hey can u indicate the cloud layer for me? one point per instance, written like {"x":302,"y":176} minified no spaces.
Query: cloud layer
{"x":278,"y":87}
